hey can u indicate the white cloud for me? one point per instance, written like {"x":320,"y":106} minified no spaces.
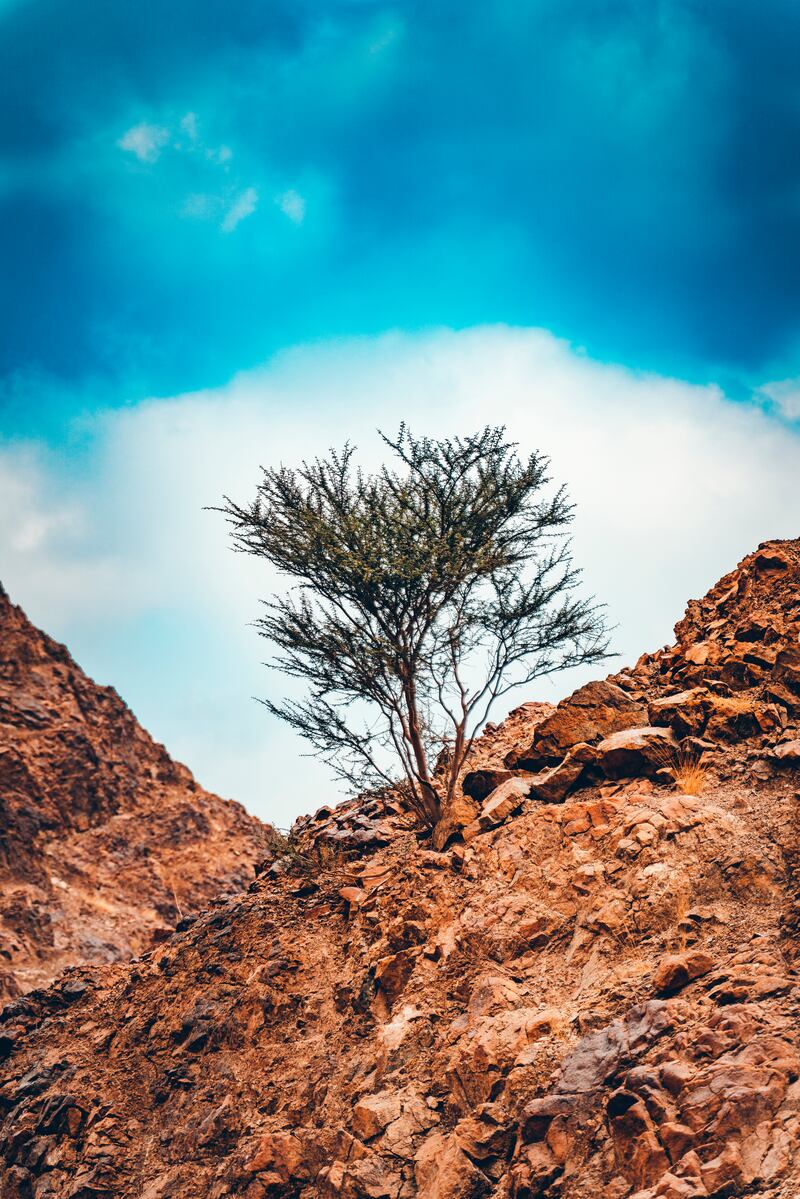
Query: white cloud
{"x":673,"y":485}
{"x":190,"y":126}
{"x":293,"y":205}
{"x":784,"y":396}
{"x":145,"y":141}
{"x":243,"y":206}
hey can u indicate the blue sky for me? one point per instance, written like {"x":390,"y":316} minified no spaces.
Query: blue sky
{"x":199,"y":193}
{"x":187,"y":187}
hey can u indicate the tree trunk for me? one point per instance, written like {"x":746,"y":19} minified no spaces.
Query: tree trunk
{"x":430,"y":796}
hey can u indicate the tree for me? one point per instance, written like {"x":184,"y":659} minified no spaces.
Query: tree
{"x":422,"y":594}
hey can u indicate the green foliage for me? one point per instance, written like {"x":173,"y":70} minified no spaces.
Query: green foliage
{"x":422,"y":593}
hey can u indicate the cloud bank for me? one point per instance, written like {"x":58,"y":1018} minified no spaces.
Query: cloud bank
{"x":673,"y":484}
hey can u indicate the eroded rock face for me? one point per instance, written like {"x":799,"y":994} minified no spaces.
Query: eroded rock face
{"x":591,"y":997}
{"x":105,"y":841}
{"x":589,"y":714}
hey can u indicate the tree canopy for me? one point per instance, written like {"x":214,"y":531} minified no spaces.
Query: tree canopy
{"x":421,"y":593}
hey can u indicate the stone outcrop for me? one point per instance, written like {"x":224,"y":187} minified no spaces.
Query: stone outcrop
{"x":593,"y":993}
{"x":105,"y":841}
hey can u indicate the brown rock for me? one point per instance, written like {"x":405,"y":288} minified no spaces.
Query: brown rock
{"x":373,"y":1113}
{"x":503,"y":802}
{"x":281,"y":1153}
{"x":788,"y":752}
{"x":591,"y":712}
{"x":676,"y":970}
{"x":636,"y":751}
{"x":443,"y":1171}
{"x":787,"y":669}
{"x":477,"y":784}
{"x":106,"y":843}
{"x":551,"y":786}
{"x":684,"y":712}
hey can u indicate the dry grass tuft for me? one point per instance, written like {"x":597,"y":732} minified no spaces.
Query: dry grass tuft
{"x":685,"y":769}
{"x":689,"y":777}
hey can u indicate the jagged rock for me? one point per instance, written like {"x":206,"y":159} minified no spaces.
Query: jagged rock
{"x":788,"y":752}
{"x":443,"y":1171}
{"x":551,"y":786}
{"x":478,"y":784}
{"x":460,"y":813}
{"x":787,"y":669}
{"x":502,"y":803}
{"x":599,"y":1055}
{"x":590,"y":713}
{"x":636,"y":751}
{"x":685,"y":712}
{"x":676,"y":970}
{"x":105,"y":841}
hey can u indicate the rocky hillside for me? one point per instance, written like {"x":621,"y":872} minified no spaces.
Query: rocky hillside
{"x":105,"y":842}
{"x":590,"y":988}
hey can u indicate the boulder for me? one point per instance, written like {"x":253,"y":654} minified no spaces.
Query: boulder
{"x":732,"y":719}
{"x":787,"y":669}
{"x":503,"y":801}
{"x":676,"y":970}
{"x":477,"y":784}
{"x":460,"y":813}
{"x":636,"y":751}
{"x":788,"y":753}
{"x":591,"y":712}
{"x":373,"y":1113}
{"x":684,"y":712}
{"x":597,"y":1056}
{"x":443,"y":1171}
{"x":551,"y":786}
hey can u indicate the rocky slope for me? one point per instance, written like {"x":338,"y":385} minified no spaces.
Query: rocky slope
{"x":589,"y":989}
{"x":105,"y":842}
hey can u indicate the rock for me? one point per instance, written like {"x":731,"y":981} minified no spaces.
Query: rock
{"x":477,"y":784}
{"x":788,"y":753}
{"x":366,"y":1178}
{"x":676,"y":970}
{"x":281,"y":1153}
{"x":636,"y":751}
{"x":105,"y":841}
{"x":684,"y":712}
{"x":732,"y":719}
{"x":780,"y":694}
{"x":591,"y":712}
{"x":483,"y":1139}
{"x":551,"y":786}
{"x":443,"y":1171}
{"x":599,"y":1055}
{"x":393,"y":972}
{"x":373,"y":1113}
{"x":459,"y":814}
{"x":475,"y":1026}
{"x":540,"y":1113}
{"x":503,"y":802}
{"x":787,"y":669}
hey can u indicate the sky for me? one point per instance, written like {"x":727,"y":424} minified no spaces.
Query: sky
{"x":234,"y":233}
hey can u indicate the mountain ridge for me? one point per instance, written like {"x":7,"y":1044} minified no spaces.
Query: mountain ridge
{"x":589,"y":988}
{"x":105,"y":841}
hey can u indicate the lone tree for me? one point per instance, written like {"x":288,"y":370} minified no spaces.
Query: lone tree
{"x":422,"y":594}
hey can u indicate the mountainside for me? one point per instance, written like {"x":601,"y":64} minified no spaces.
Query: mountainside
{"x":590,"y":988}
{"x":105,"y":842}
